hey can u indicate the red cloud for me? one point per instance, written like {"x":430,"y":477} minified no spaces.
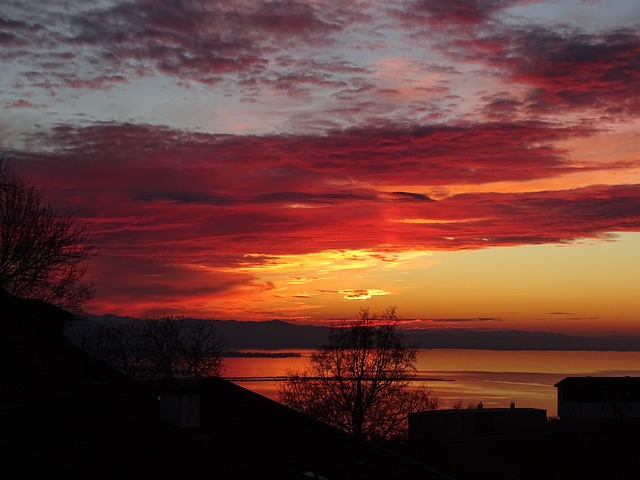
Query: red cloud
{"x":564,"y":68}
{"x":466,"y":12}
{"x":141,"y":185}
{"x":153,"y":285}
{"x":577,"y":70}
{"x":494,"y":219}
{"x":158,"y":253}
{"x":204,"y":168}
{"x":174,"y":211}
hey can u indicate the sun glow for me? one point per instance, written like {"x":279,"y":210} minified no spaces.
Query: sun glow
{"x":323,"y":279}
{"x":307,"y":160}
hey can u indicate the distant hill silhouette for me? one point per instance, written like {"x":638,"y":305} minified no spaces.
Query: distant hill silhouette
{"x":278,"y":334}
{"x":519,"y":340}
{"x":272,"y":334}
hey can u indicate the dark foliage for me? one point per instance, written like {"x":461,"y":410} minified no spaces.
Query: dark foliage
{"x":153,"y":348}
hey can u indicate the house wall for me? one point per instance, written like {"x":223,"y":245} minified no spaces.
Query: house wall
{"x":448,"y":425}
{"x":517,"y":419}
{"x":442,"y":426}
{"x":577,"y":411}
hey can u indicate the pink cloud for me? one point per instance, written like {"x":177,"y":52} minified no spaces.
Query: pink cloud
{"x":190,"y":40}
{"x":22,"y":103}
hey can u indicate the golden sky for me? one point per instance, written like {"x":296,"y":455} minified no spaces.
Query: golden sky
{"x":473,"y":163}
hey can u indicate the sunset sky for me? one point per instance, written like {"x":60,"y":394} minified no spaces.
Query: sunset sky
{"x":475,"y":163}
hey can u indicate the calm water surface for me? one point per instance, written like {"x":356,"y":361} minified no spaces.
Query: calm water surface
{"x":495,"y":378}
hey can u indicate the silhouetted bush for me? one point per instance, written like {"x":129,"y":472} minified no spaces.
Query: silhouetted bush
{"x":152,"y":348}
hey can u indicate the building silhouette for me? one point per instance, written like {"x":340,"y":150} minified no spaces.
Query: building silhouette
{"x":582,"y":399}
{"x":65,"y":415}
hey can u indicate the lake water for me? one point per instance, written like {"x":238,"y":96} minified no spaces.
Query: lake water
{"x":495,"y":378}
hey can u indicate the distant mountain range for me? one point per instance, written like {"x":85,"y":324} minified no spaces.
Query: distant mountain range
{"x":277,"y":334}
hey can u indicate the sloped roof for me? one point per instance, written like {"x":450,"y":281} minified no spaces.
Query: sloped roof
{"x":33,"y":352}
{"x":600,"y":382}
{"x":66,"y":415}
{"x":600,"y":389}
{"x":115,"y":431}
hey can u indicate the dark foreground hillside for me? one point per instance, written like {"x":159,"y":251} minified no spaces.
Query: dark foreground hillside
{"x":605,"y":451}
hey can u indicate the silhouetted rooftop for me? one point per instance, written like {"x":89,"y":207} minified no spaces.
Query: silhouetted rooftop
{"x":33,"y":350}
{"x":115,"y":431}
{"x":65,"y":415}
{"x":600,"y":382}
{"x":599,"y":389}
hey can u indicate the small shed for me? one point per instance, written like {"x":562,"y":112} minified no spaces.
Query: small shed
{"x":583,"y":399}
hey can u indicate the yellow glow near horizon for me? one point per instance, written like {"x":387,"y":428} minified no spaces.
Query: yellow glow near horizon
{"x":587,"y":287}
{"x":542,"y":287}
{"x":323,"y":263}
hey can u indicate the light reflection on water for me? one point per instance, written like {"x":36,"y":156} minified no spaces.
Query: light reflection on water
{"x":495,"y":378}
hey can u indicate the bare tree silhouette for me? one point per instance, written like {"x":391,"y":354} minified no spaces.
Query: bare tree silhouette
{"x":360,"y":381}
{"x":152,"y":348}
{"x":42,"y":255}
